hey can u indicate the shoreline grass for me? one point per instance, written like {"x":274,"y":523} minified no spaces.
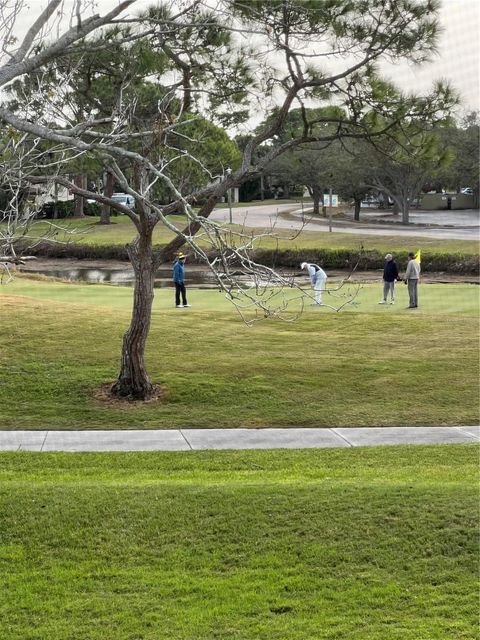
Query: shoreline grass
{"x":319,"y":545}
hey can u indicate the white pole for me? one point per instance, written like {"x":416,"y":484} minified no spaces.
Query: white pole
{"x":229,"y":196}
{"x":330,"y":212}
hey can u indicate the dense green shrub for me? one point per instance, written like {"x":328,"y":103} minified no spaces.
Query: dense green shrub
{"x":367,"y":260}
{"x":48,"y":249}
{"x":66,"y":209}
{"x":346,"y":259}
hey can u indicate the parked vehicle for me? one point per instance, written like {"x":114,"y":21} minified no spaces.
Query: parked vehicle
{"x":125,"y":199}
{"x":370,"y":201}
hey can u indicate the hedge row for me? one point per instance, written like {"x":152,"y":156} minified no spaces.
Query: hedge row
{"x":66,"y":209}
{"x":454,"y":263}
{"x":48,"y":249}
{"x":368,"y":260}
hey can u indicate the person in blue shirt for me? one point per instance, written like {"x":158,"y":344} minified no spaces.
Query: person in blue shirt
{"x":179,"y":280}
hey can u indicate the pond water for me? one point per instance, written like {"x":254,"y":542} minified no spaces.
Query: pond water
{"x":118,"y":273}
{"x":120,"y":276}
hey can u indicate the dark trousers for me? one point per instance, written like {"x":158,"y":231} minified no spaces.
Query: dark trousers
{"x":180,"y":289}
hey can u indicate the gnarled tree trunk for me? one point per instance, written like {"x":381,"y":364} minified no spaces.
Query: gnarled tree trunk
{"x":317,"y":195}
{"x":107,"y":192}
{"x":133,"y":381}
{"x":356,"y":211}
{"x":81,"y":182}
{"x":168,"y":252}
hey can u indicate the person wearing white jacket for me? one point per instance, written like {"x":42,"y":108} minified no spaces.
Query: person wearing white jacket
{"x":318,"y":278}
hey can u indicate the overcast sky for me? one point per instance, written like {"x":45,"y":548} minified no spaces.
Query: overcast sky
{"x":458,"y":59}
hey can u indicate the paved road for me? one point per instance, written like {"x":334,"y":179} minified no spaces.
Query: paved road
{"x":463,"y":225}
{"x":201,"y":439}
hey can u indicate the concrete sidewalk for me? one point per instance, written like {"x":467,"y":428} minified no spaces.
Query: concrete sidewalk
{"x":201,"y":439}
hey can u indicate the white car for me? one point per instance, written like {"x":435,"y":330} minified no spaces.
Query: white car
{"x":125,"y":199}
{"x":468,"y":191}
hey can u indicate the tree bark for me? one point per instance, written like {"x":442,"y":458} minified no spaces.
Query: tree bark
{"x":81,"y":182}
{"x":324,"y":208}
{"x":356,"y":211}
{"x":55,"y":201}
{"x":133,"y":381}
{"x":384,"y":200}
{"x":168,"y":252}
{"x":316,"y":196}
{"x":107,"y":192}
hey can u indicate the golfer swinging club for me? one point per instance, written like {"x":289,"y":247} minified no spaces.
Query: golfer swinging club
{"x":318,"y":278}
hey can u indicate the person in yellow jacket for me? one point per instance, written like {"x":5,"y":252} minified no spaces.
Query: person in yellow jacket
{"x":412,"y":276}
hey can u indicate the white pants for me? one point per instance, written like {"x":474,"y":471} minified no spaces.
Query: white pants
{"x":319,"y":288}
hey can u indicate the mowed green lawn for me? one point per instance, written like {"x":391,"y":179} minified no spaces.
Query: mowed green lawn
{"x":368,"y":365}
{"x":88,"y":231}
{"x":387,"y":242}
{"x":365,"y":544}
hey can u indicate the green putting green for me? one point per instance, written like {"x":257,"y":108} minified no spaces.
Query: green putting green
{"x":367,"y":365}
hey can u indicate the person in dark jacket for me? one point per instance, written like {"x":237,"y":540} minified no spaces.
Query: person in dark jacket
{"x":390,"y":274}
{"x":179,"y":280}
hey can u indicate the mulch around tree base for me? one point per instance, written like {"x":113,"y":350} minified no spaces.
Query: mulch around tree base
{"x":105,"y":396}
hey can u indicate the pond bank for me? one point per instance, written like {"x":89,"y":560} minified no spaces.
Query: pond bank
{"x":117,"y":272}
{"x":282,"y":258}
